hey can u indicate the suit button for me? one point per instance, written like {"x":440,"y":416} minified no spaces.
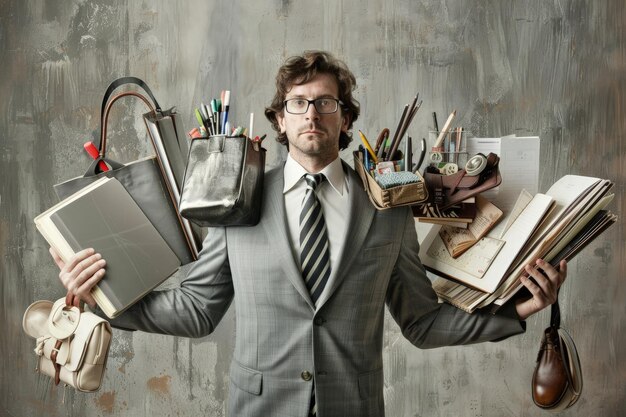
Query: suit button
{"x":319,"y":321}
{"x":306,"y":375}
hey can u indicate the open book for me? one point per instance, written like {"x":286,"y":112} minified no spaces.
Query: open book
{"x":458,"y":240}
{"x":551,"y":226}
{"x":105,"y":217}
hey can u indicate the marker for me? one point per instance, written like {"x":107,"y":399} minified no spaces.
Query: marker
{"x":93,"y":152}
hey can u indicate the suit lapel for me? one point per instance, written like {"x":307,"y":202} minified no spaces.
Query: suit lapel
{"x":275,"y":224}
{"x":361,"y":214}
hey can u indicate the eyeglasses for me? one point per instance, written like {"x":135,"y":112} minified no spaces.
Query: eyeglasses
{"x":322,"y":105}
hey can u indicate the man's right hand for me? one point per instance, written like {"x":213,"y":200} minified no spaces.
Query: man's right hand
{"x":81,"y":273}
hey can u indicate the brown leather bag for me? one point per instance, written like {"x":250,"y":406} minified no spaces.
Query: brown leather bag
{"x":557,"y":381}
{"x":448,"y":190}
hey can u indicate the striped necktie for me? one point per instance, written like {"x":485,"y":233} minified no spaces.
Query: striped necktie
{"x":314,"y":249}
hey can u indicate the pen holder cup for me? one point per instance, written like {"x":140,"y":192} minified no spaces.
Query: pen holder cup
{"x":451,"y":155}
{"x":401,"y":195}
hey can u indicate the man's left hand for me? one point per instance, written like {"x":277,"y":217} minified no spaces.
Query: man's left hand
{"x":544,"y":288}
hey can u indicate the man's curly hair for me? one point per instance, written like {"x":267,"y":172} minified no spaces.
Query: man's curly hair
{"x":299,"y":70}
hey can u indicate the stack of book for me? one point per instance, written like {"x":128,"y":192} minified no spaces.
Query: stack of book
{"x":551,"y":226}
{"x":460,"y":215}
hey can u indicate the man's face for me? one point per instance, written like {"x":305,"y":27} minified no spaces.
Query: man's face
{"x":312,"y":135}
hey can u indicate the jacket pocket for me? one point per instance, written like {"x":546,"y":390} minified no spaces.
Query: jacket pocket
{"x":246,"y":379}
{"x":371,"y":384}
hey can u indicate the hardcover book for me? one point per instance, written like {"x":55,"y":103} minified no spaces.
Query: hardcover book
{"x":104,"y":216}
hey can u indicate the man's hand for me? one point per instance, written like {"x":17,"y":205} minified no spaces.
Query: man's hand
{"x":81,"y":273}
{"x":543,"y":290}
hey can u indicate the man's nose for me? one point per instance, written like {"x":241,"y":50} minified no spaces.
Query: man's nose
{"x":311,"y":113}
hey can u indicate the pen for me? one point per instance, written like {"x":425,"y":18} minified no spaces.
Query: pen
{"x":443,"y":131}
{"x":395,"y":135}
{"x":435,"y":121}
{"x":251,"y":124}
{"x":225,"y":107}
{"x":199,"y":118}
{"x":368,"y":147}
{"x":405,"y":125}
{"x":408,"y":154}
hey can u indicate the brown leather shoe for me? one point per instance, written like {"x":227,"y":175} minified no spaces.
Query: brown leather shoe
{"x":558,"y":379}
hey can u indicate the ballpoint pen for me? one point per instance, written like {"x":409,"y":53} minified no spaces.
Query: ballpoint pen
{"x":225,"y":107}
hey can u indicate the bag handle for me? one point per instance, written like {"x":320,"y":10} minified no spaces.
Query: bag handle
{"x":120,"y":82}
{"x":107,"y":95}
{"x":72,"y":301}
{"x":94,"y":168}
{"x":107,"y":110}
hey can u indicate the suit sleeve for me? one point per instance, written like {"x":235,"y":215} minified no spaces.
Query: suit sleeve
{"x":196,"y":307}
{"x":426,"y":323}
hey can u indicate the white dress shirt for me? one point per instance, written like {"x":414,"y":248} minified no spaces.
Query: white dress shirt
{"x":333,"y":196}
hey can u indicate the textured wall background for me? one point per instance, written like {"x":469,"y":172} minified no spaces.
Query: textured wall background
{"x":553,"y":68}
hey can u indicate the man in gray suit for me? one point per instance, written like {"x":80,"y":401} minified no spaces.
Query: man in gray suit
{"x":311,"y":280}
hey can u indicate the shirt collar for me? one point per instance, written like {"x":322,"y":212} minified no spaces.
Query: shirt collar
{"x":333,"y":172}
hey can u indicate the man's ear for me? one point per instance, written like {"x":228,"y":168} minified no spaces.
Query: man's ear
{"x":281,"y":122}
{"x":345,"y":122}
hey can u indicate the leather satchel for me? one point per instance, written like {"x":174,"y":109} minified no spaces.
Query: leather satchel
{"x":557,"y":380}
{"x":72,"y":345}
{"x":448,"y":190}
{"x":223,"y":183}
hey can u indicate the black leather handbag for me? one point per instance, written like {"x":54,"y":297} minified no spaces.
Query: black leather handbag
{"x":223,"y":184}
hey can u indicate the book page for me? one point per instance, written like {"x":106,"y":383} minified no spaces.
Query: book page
{"x":522,"y":201}
{"x":519,"y":167}
{"x":487,"y":215}
{"x":474,"y":261}
{"x":458,"y":240}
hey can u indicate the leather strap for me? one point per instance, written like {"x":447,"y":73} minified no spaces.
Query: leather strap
{"x":70,"y":300}
{"x":53,"y":358}
{"x":105,"y":119}
{"x":118,"y":83}
{"x":492,"y":163}
{"x":555,"y":323}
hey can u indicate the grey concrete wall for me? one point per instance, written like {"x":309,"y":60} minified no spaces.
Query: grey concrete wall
{"x":552,"y":68}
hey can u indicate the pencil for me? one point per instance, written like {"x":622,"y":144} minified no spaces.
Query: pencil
{"x":445,"y":128}
{"x":368,"y":147}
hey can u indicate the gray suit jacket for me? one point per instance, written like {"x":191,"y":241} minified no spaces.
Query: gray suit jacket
{"x":279,"y":332}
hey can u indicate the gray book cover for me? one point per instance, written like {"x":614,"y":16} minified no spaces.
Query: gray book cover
{"x":108,"y":220}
